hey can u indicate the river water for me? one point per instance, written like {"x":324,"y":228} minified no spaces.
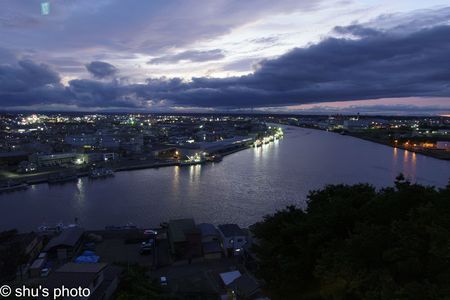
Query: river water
{"x":241,"y":189}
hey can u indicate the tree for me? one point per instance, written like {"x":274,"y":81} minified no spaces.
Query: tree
{"x":353,"y":242}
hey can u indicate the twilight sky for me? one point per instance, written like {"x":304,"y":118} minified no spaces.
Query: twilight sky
{"x":299,"y":56}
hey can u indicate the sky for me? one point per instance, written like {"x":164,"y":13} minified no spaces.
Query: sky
{"x":287,"y":56}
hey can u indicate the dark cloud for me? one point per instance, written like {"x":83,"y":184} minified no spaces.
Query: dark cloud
{"x":336,"y":69}
{"x":381,"y":65}
{"x":190,"y":55}
{"x":356,"y":31}
{"x":101,"y":69}
{"x":26,"y":83}
{"x":26,"y":75}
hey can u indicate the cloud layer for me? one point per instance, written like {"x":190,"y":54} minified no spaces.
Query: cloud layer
{"x":191,"y":55}
{"x":355,"y":62}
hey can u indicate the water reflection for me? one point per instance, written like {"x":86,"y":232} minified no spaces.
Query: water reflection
{"x":242,"y":188}
{"x":176,"y":180}
{"x":194,"y":173}
{"x":80,"y":195}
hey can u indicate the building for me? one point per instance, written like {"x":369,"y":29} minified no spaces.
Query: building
{"x":109,"y":141}
{"x":210,"y":241}
{"x":233,"y":238}
{"x":443,"y":145}
{"x":66,"y":244}
{"x":100,"y":278}
{"x":209,"y":232}
{"x":246,"y":287}
{"x":355,"y":124}
{"x":242,"y":286}
{"x":212,"y":250}
{"x":60,"y":159}
{"x":184,"y":239}
{"x":81,"y":140}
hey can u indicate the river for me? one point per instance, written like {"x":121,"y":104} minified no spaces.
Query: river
{"x":241,"y":189}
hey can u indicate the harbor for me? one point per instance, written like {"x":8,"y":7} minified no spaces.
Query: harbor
{"x":201,"y":153}
{"x":237,"y":189}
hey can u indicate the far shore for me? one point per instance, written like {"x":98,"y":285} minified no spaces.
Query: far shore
{"x":125,"y":165}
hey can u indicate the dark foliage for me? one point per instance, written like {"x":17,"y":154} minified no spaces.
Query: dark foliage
{"x":354,"y":242}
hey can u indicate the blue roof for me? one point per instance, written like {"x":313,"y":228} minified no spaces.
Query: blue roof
{"x":87,"y":259}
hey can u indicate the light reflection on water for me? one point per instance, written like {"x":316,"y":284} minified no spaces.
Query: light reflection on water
{"x":242,"y":188}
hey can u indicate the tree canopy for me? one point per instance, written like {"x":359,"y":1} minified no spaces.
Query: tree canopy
{"x":354,"y":242}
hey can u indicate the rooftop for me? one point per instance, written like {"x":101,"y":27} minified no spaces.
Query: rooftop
{"x":68,"y":237}
{"x":230,"y":230}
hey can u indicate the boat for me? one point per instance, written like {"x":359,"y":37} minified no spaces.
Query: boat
{"x":101,"y":173}
{"x":55,"y":228}
{"x":10,"y":186}
{"x":257,"y":143}
{"x":62,"y":177}
{"x":190,"y":162}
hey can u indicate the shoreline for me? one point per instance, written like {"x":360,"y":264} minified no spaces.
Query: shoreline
{"x":441,"y":156}
{"x":32,"y":179}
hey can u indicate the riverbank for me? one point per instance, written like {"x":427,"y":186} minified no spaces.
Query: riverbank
{"x":125,"y":165}
{"x":438,"y":154}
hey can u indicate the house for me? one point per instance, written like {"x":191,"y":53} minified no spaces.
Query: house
{"x":233,"y":238}
{"x":184,"y":239}
{"x":245,"y":287}
{"x":100,"y":278}
{"x":66,"y":244}
{"x":212,"y":250}
{"x":209,"y":232}
{"x":210,"y":241}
